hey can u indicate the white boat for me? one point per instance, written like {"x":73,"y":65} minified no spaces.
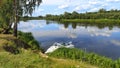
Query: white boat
{"x":56,"y":45}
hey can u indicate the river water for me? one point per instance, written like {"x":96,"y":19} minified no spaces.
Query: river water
{"x":101,"y":40}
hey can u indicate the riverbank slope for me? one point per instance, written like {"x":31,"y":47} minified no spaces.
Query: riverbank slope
{"x":15,"y":53}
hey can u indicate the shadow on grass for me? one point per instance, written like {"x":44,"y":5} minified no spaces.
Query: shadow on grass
{"x":15,"y":48}
{"x":11,"y":49}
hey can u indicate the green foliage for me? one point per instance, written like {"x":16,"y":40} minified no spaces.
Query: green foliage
{"x":106,"y":22}
{"x":102,"y":10}
{"x":28,"y":38}
{"x":27,"y":6}
{"x":91,"y":58}
{"x":12,"y":10}
{"x":27,"y":59}
{"x":25,"y":18}
{"x":101,"y":14}
{"x":5,"y":13}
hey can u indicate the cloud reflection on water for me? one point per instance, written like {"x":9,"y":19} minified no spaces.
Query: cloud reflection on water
{"x":41,"y":29}
{"x":101,"y":32}
{"x":115,"y":42}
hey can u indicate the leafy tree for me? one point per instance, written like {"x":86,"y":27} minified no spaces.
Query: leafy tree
{"x":23,"y":7}
{"x":102,"y":10}
{"x":6,"y":16}
{"x":12,"y":10}
{"x":75,"y":14}
{"x":101,"y":14}
{"x":67,"y":15}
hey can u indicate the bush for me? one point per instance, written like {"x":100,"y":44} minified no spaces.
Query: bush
{"x":29,"y":39}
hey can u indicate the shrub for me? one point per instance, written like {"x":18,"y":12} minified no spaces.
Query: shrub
{"x":29,"y":39}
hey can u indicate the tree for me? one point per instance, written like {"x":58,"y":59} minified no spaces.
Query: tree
{"x":23,"y":7}
{"x":6,"y":16}
{"x":12,"y":10}
{"x":75,"y":15}
{"x":102,"y":10}
{"x":67,"y":15}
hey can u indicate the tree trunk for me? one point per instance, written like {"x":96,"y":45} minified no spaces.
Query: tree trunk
{"x":15,"y":19}
{"x":15,"y":28}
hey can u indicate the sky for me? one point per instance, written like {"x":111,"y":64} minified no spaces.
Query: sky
{"x":57,"y":7}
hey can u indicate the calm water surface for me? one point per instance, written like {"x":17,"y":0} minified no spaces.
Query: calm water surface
{"x":104,"y":41}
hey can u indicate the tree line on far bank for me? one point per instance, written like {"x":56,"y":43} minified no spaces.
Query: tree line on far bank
{"x":101,"y":14}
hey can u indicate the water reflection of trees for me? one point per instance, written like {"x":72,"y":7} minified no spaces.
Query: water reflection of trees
{"x":74,"y":25}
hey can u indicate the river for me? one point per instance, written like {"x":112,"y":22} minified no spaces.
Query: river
{"x":101,"y":40}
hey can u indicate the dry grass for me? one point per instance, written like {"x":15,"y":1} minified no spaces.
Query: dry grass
{"x":4,"y":40}
{"x":67,"y":63}
{"x":7,"y":36}
{"x":72,"y":63}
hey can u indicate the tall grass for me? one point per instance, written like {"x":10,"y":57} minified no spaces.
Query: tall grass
{"x":91,"y":58}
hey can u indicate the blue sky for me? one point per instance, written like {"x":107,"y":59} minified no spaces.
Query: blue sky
{"x":81,"y":6}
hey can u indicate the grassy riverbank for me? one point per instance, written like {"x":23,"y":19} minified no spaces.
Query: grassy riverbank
{"x":22,"y":52}
{"x":93,"y":21}
{"x":91,"y":58}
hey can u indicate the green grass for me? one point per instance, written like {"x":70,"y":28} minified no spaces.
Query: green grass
{"x":93,"y":21}
{"x":4,"y":40}
{"x":91,"y":58}
{"x":28,"y":59}
{"x":31,"y":58}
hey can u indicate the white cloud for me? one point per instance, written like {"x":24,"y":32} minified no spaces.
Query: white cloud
{"x":77,"y":5}
{"x":77,"y":8}
{"x":40,"y":10}
{"x":113,"y":0}
{"x":93,"y":2}
{"x":82,"y":7}
{"x":53,"y":2}
{"x":104,"y":4}
{"x":63,"y":6}
{"x":94,"y":9}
